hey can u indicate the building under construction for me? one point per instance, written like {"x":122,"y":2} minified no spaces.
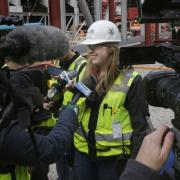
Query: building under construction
{"x":75,"y":16}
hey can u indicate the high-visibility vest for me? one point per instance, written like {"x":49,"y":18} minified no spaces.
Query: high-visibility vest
{"x":77,"y":66}
{"x":114,"y":129}
{"x":20,"y":172}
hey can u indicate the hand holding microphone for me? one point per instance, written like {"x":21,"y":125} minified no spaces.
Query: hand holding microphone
{"x":64,"y":78}
{"x":55,"y":92}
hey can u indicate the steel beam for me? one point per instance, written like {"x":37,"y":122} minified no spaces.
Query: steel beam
{"x":148,"y":34}
{"x":98,"y":9}
{"x":54,"y":13}
{"x":4,"y":8}
{"x":156,"y":32}
{"x":124,"y":19}
{"x":112,"y":10}
{"x":75,"y":15}
{"x":86,"y":12}
{"x":63,"y":14}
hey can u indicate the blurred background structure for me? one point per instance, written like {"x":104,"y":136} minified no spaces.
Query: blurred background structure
{"x":75,"y":16}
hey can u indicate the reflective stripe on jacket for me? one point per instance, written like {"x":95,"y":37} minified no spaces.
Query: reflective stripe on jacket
{"x":75,"y":66}
{"x":113,"y":128}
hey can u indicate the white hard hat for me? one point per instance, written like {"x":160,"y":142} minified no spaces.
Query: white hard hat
{"x":102,"y":31}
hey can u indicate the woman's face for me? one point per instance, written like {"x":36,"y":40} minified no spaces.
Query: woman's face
{"x":99,"y":55}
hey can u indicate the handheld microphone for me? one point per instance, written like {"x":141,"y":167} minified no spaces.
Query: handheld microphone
{"x":84,"y":88}
{"x":57,"y":71}
{"x":68,"y":75}
{"x":54,"y":93}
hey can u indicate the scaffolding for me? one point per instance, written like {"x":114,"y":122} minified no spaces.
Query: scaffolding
{"x":74,"y":15}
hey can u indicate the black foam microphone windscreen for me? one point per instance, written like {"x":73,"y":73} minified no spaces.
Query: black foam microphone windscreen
{"x":35,"y":44}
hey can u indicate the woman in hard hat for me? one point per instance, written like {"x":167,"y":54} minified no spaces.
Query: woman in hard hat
{"x":112,"y":120}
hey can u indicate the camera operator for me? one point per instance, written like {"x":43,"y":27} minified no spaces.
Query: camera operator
{"x":17,"y":145}
{"x":151,"y":157}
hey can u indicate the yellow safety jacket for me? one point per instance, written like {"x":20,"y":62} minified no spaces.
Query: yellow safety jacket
{"x":21,"y":174}
{"x":114,"y":129}
{"x":75,"y":66}
{"x":78,"y":66}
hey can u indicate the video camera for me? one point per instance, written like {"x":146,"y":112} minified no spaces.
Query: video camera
{"x":162,"y":89}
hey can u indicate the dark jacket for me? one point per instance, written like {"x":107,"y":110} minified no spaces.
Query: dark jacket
{"x":137,"y":107}
{"x":137,"y":171}
{"x":16,"y":145}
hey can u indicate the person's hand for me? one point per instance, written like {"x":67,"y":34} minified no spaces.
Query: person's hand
{"x":47,"y":105}
{"x":155,"y":148}
{"x":70,"y":85}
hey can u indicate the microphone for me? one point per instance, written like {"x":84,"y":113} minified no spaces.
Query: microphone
{"x":68,"y":75}
{"x":29,"y":44}
{"x":84,"y":88}
{"x":64,"y":75}
{"x":54,"y":93}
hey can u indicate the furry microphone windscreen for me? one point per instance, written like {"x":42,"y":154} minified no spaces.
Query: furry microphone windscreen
{"x":35,"y":44}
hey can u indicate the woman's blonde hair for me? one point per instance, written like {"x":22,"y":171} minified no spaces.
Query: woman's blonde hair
{"x":112,"y":71}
